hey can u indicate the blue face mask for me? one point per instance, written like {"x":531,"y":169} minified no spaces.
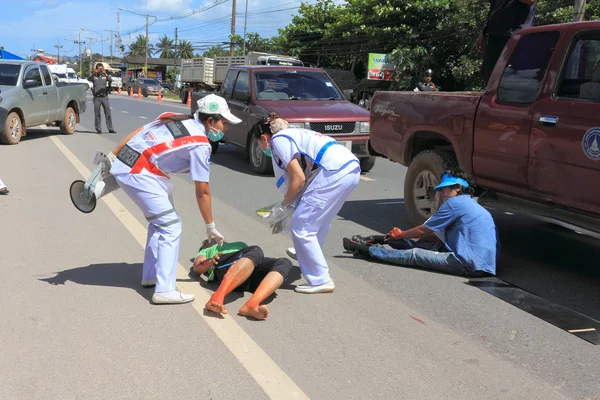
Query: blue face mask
{"x":268,"y":152}
{"x":215,"y":136}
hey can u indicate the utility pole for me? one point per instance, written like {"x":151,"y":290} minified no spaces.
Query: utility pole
{"x":579,"y":10}
{"x":79,"y":58}
{"x":245,"y":21}
{"x":58,"y":46}
{"x":176,"y":55}
{"x":232,"y":27}
{"x":146,"y":62}
{"x":111,"y":41}
{"x":91,"y":54}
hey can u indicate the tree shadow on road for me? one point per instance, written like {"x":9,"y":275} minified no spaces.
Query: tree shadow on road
{"x":376,"y":215}
{"x":122,"y":275}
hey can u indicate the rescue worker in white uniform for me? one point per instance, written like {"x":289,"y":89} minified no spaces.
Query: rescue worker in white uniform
{"x":337,"y":173}
{"x":174,"y":143}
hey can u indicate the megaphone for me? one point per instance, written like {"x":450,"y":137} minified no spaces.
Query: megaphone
{"x":84,"y":195}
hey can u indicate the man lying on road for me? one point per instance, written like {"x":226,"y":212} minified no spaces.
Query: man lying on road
{"x":242,"y":268}
{"x":466,"y":233}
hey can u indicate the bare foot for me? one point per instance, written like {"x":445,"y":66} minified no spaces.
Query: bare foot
{"x":260,"y":312}
{"x":216,"y":306}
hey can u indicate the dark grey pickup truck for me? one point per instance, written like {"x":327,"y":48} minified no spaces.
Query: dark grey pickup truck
{"x":30,"y":97}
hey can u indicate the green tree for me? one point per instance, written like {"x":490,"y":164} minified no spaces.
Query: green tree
{"x":138,"y":47}
{"x":185,"y":49}
{"x":165,"y":47}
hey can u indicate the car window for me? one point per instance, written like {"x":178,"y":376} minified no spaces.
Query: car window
{"x":241,"y":82}
{"x":580,"y":76}
{"x":526,"y":68}
{"x":47,"y":76}
{"x":228,"y":84}
{"x":9,"y":74}
{"x":33,"y":73}
{"x":284,"y":84}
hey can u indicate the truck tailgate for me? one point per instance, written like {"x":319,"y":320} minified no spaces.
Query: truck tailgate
{"x":396,"y":117}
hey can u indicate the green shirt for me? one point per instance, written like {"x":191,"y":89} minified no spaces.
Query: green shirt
{"x":211,"y":251}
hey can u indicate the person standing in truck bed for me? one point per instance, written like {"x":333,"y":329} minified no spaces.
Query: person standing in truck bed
{"x":504,"y":18}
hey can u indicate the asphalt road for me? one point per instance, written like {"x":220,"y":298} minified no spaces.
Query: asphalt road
{"x":76,"y":323}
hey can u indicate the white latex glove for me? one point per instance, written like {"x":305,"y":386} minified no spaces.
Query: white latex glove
{"x":111,"y":157}
{"x":213,"y":233}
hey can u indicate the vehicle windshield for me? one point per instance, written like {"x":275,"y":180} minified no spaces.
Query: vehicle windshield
{"x":290,"y":84}
{"x":113,"y":73}
{"x":151,"y":82}
{"x":61,"y":76}
{"x":72,"y":75}
{"x":9,"y":74}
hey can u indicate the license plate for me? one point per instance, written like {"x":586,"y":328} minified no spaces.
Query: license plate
{"x":347,"y":143}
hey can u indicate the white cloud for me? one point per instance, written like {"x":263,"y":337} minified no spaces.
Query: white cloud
{"x":167,"y":5}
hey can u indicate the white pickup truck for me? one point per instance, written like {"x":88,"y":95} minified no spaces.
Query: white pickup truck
{"x":30,"y":97}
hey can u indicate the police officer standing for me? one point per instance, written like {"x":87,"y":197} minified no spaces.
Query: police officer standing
{"x":427,"y":85}
{"x":100,"y":87}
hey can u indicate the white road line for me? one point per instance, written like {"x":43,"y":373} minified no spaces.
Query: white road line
{"x":271,"y":378}
{"x":366,"y":179}
{"x":142,"y":117}
{"x":125,"y":112}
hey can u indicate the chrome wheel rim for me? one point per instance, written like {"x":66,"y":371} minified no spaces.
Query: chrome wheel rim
{"x":426,"y":200}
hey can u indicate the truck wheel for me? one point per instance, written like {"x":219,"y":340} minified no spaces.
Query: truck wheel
{"x":13,"y":129}
{"x":367,"y":163}
{"x":69,"y":122}
{"x":258,"y":159}
{"x":423,"y":176}
{"x":215,"y":147}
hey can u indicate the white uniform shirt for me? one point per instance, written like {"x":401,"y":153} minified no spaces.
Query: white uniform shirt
{"x":336,"y":161}
{"x":194,"y":158}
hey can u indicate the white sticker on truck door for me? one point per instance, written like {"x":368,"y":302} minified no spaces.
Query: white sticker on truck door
{"x":591,"y":143}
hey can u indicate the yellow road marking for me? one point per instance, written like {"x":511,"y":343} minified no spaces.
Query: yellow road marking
{"x":271,"y":378}
{"x":582,"y":330}
{"x":366,"y":178}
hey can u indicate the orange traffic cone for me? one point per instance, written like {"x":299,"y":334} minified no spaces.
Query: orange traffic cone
{"x":189,"y":100}
{"x":139,"y":93}
{"x":118,"y":90}
{"x":159,"y":97}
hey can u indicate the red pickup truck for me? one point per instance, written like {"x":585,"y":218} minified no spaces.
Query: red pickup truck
{"x":531,"y":140}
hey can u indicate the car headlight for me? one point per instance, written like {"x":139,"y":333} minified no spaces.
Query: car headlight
{"x":297,"y":125}
{"x":364,"y":127}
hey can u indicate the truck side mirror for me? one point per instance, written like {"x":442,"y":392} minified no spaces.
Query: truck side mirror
{"x":241,"y":95}
{"x":29,"y":83}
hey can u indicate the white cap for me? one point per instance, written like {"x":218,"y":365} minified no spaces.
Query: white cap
{"x":213,"y":104}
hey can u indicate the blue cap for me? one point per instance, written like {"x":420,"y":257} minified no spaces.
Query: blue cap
{"x":448,"y":180}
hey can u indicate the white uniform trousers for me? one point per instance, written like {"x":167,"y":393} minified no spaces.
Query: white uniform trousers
{"x":164,"y":229}
{"x":312,"y":220}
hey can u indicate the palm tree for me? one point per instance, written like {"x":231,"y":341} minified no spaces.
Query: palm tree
{"x":138,"y":47}
{"x":186,"y":49}
{"x":165,"y":47}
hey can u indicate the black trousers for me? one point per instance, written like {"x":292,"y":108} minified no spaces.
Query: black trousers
{"x":262,"y":266}
{"x":102,"y":101}
{"x":493,"y":48}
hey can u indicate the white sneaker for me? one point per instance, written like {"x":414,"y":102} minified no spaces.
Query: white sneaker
{"x":148,"y":283}
{"x":172,"y":297}
{"x":327,"y":287}
{"x":291,"y":252}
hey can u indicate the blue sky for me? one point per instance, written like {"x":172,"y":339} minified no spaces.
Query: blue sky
{"x":43,"y":24}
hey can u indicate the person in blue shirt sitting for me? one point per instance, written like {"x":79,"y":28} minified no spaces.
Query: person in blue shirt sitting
{"x":466,"y":232}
